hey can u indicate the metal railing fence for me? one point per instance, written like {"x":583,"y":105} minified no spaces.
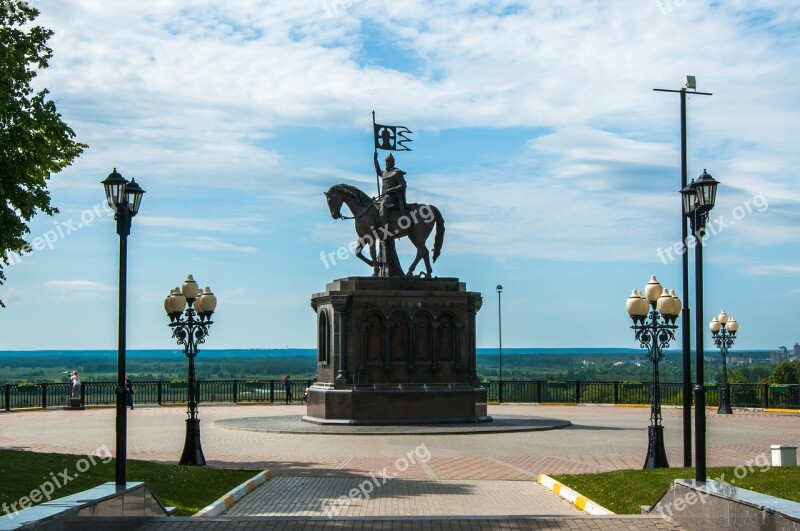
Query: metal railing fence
{"x":44,"y":395}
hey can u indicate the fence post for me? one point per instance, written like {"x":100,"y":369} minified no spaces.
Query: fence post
{"x":44,"y":395}
{"x":577,"y":391}
{"x":159,"y":392}
{"x":272,"y":391}
{"x":235,"y":391}
{"x":615,"y":400}
{"x":539,"y":391}
{"x":500,"y":391}
{"x":766,"y":395}
{"x":83,"y":394}
{"x":7,"y":392}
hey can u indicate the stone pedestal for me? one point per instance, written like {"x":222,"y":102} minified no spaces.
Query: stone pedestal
{"x":74,"y":403}
{"x":396,"y":351}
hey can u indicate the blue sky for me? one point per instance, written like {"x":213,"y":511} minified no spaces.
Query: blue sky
{"x":536,"y":133}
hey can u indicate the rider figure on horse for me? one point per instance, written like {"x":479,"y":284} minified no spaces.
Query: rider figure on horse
{"x":393,"y":193}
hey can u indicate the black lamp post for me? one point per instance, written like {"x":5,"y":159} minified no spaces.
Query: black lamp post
{"x":500,"y":338}
{"x":654,"y":315}
{"x":698,"y":200}
{"x":723,"y":330}
{"x":124,"y":198}
{"x":690,"y":87}
{"x":189,"y":310}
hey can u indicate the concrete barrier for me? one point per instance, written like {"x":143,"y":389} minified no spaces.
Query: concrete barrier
{"x":714,"y":505}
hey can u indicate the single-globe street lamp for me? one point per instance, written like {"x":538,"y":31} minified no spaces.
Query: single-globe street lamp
{"x":690,"y":87}
{"x":189,"y":309}
{"x":698,"y":200}
{"x":124,"y":197}
{"x":654,"y":314}
{"x":723,"y":330}
{"x":500,"y":338}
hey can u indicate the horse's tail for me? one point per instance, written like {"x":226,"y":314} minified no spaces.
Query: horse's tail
{"x":439,"y":239}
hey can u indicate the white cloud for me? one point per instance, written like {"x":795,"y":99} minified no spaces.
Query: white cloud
{"x":81,"y":288}
{"x":208,"y":244}
{"x":773,"y":269}
{"x":191,"y":90}
{"x":236,"y":225}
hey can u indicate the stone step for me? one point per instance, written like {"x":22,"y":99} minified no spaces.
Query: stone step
{"x":581,"y":523}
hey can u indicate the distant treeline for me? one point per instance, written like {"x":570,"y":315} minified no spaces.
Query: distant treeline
{"x":619,"y":365}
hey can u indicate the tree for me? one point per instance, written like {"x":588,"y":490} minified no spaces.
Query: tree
{"x":785,"y":373}
{"x":34,"y":141}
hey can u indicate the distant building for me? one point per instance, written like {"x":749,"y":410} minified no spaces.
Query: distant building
{"x":796,"y":353}
{"x":780,"y":355}
{"x":740,"y":360}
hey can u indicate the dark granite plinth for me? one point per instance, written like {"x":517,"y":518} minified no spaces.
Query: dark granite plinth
{"x":396,"y":350}
{"x":398,"y":404}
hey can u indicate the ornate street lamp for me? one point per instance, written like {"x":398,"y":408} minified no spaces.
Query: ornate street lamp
{"x":690,"y":87}
{"x":124,"y":197}
{"x":654,"y":314}
{"x":500,"y":338}
{"x":723,"y":330}
{"x":189,"y":309}
{"x":698,"y":200}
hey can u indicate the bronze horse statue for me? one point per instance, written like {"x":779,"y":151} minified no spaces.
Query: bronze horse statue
{"x":417,"y":223}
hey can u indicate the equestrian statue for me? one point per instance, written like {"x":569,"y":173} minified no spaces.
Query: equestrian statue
{"x":388,"y":218}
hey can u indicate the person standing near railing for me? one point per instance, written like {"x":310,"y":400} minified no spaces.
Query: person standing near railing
{"x":76,"y":385}
{"x":287,"y":387}
{"x":130,"y":387}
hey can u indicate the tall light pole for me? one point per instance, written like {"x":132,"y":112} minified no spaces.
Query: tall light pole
{"x":189,"y":310}
{"x":698,"y":200}
{"x":500,"y":339}
{"x":654,"y":315}
{"x":723,"y":330}
{"x":124,"y":198}
{"x":691,"y":86}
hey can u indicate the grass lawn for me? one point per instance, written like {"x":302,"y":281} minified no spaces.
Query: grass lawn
{"x":189,"y":489}
{"x":624,"y":491}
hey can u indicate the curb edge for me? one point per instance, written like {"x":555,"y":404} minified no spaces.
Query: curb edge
{"x":228,"y":499}
{"x":581,"y":502}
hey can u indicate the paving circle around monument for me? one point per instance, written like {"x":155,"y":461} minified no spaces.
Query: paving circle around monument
{"x":295,"y":424}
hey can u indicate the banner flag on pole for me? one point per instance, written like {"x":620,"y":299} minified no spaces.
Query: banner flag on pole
{"x":392,"y":137}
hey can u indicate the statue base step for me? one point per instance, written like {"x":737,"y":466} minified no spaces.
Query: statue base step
{"x":386,"y":404}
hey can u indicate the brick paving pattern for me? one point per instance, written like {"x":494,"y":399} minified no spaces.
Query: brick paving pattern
{"x":315,"y":497}
{"x":489,"y":476}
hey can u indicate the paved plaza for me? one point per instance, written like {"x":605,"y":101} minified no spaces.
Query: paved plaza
{"x":423,"y":478}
